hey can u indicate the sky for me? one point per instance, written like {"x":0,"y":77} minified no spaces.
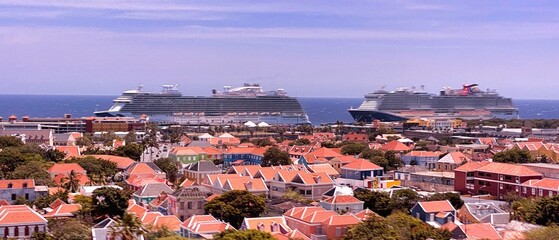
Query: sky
{"x":309,"y":48}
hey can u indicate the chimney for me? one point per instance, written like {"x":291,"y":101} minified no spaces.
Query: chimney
{"x":317,"y":179}
{"x":67,"y":115}
{"x":248,"y":185}
{"x":25,"y":119}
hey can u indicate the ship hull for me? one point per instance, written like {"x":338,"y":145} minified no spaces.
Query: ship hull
{"x":370,"y":116}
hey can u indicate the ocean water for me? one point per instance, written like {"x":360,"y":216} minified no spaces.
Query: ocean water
{"x":320,"y":110}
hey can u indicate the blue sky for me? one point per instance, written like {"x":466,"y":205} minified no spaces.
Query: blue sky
{"x":310,"y":48}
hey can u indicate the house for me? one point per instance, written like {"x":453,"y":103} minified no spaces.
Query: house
{"x":339,"y":161}
{"x":451,"y":161}
{"x":360,"y":169}
{"x":244,"y":156}
{"x":20,"y":222}
{"x":545,"y":187}
{"x":65,"y":139}
{"x":325,"y":168}
{"x":11,"y":190}
{"x":160,"y":204}
{"x":435,"y":213}
{"x":188,"y":154}
{"x":197,"y":171}
{"x":427,"y":159}
{"x":188,"y":201}
{"x":65,"y":169}
{"x":122,"y":163}
{"x":485,"y":212}
{"x":169,"y":222}
{"x":319,"y":223}
{"x":202,"y":226}
{"x":267,"y":224}
{"x":31,"y":136}
{"x":221,"y":183}
{"x":343,"y":204}
{"x":356,"y":137}
{"x":64,"y":211}
{"x":309,"y":185}
{"x":484,"y":231}
{"x":492,"y":178}
{"x":395,"y":146}
{"x":69,"y":151}
{"x":320,"y":155}
{"x":150,"y":191}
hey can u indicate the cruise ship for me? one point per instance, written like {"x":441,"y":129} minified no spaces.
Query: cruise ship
{"x":469,"y":102}
{"x":232,"y":105}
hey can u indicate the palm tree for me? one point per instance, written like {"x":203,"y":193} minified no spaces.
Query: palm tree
{"x":128,"y":227}
{"x":72,"y":184}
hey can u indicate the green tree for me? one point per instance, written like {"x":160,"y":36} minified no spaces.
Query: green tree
{"x":54,"y":155}
{"x":370,"y":153}
{"x":545,"y":211}
{"x":453,"y":198}
{"x":131,"y":150}
{"x":170,"y":167}
{"x":72,"y":184}
{"x":274,"y":156}
{"x":97,"y":169}
{"x":69,"y":229}
{"x":109,"y":201}
{"x":353,"y":148}
{"x":378,"y":202}
{"x":394,"y":162}
{"x":84,"y":214}
{"x":234,"y":206}
{"x":373,"y":228}
{"x":404,"y":199}
{"x":9,"y":141}
{"x":514,"y":155}
{"x":159,"y":233}
{"x":35,"y":170}
{"x":84,"y":141}
{"x":45,"y":201}
{"x":128,"y":227}
{"x":408,"y":227}
{"x":130,"y":137}
{"x":381,"y":161}
{"x":301,"y":142}
{"x":249,"y":234}
{"x":547,"y":233}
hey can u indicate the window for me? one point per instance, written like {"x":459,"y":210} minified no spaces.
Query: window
{"x":189,"y":205}
{"x":550,"y":193}
{"x":541,"y":192}
{"x":10,"y":185}
{"x":182,"y":205}
{"x":501,"y":177}
{"x":524,"y":190}
{"x":14,"y":197}
{"x":501,"y":186}
{"x":338,"y":231}
{"x":27,"y":196}
{"x":533,"y":191}
{"x":517,"y":188}
{"x":517,"y":179}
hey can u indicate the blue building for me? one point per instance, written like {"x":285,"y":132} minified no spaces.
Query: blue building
{"x":360,"y":169}
{"x":245,"y":156}
{"x":435,"y":213}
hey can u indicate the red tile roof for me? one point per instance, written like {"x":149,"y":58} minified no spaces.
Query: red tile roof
{"x":471,"y":166}
{"x":436,"y":206}
{"x":365,"y":214}
{"x":64,"y":210}
{"x":20,"y":215}
{"x":70,"y":151}
{"x":480,"y":231}
{"x":17,"y":183}
{"x":342,"y":199}
{"x":395,"y":146}
{"x":547,"y":183}
{"x":266,"y":224}
{"x":341,"y":220}
{"x":508,"y":169}
{"x":66,"y":168}
{"x":423,"y":154}
{"x":121,"y":162}
{"x":362,"y":165}
{"x":171,"y":222}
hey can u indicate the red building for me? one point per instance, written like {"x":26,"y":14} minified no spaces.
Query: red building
{"x":492,"y":178}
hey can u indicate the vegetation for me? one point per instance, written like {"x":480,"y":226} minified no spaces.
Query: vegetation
{"x":547,"y":233}
{"x":170,"y":167}
{"x":541,"y":211}
{"x":404,"y":199}
{"x":373,"y":228}
{"x":35,"y":170}
{"x":234,"y":206}
{"x":354,"y":148}
{"x":408,"y":227}
{"x":301,"y":142}
{"x":514,"y":155}
{"x":453,"y":198}
{"x":274,"y":157}
{"x":109,"y":201}
{"x":69,"y":229}
{"x":127,"y":227}
{"x":249,"y":234}
{"x":98,"y":170}
{"x":378,"y":202}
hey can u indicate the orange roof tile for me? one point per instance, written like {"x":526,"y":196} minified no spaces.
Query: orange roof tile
{"x":64,"y":210}
{"x":480,"y":231}
{"x":325,"y":168}
{"x":4,"y":202}
{"x":17,"y":183}
{"x":66,"y":168}
{"x":149,"y":217}
{"x":19,"y":215}
{"x":266,"y":224}
{"x":342,"y":199}
{"x":136,"y":209}
{"x":70,"y":151}
{"x":547,"y":183}
{"x":436,"y":206}
{"x":141,"y":169}
{"x":171,"y":222}
{"x":508,"y":169}
{"x":470,"y":166}
{"x":365,"y":214}
{"x":341,"y":220}
{"x":121,"y":162}
{"x":423,"y":154}
{"x":212,"y":197}
{"x":362,"y":165}
{"x":187,"y":183}
{"x":197,"y":218}
{"x":395,"y":146}
{"x":56,"y":203}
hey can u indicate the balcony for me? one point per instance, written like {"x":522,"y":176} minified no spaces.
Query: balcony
{"x":469,"y":186}
{"x":318,"y":237}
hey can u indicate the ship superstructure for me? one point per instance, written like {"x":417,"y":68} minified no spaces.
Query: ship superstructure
{"x":469,"y":102}
{"x":232,"y":105}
